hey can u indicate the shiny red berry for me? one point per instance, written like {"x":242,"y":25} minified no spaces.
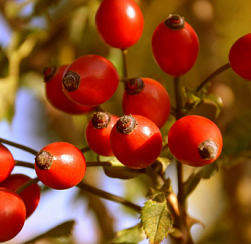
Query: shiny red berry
{"x":147,"y":97}
{"x":30,"y":196}
{"x":53,"y":87}
{"x":195,"y":140}
{"x":240,"y":57}
{"x":7,"y":162}
{"x":98,"y":133}
{"x":60,"y":165}
{"x":119,"y":22}
{"x":90,"y":80}
{"x":175,"y":46}
{"x":136,"y":141}
{"x":12,"y":214}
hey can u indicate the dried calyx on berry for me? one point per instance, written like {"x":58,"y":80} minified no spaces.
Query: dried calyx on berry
{"x":126,"y":124}
{"x":49,"y":72}
{"x":44,"y":160}
{"x":101,"y":120}
{"x":71,"y":81}
{"x":208,"y":149}
{"x":134,"y":85}
{"x":175,"y":22}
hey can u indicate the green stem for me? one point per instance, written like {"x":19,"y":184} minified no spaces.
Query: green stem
{"x":211,"y":76}
{"x":27,"y":184}
{"x":124,"y":56}
{"x":108,"y":196}
{"x":20,"y":146}
{"x":24,"y":164}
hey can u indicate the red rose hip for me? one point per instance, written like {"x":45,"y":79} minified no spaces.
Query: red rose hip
{"x":7,"y":162}
{"x":60,"y":165}
{"x":147,"y":97}
{"x":195,"y":140}
{"x":30,"y":195}
{"x":136,"y":141}
{"x":53,"y":87}
{"x":119,"y":22}
{"x":240,"y":57}
{"x":12,"y":214}
{"x":175,"y":46}
{"x":90,"y":80}
{"x":98,"y":133}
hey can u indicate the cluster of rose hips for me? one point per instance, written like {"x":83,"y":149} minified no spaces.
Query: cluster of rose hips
{"x":134,"y":139}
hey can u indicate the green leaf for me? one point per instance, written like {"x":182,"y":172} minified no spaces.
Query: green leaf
{"x":209,"y":107}
{"x":62,"y":230}
{"x":160,"y":165}
{"x":119,"y":171}
{"x":206,"y":172}
{"x":131,"y":235}
{"x":156,"y":220}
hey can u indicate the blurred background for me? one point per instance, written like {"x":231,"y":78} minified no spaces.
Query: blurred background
{"x":37,"y":33}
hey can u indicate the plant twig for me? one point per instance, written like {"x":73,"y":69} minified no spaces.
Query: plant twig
{"x":27,"y":184}
{"x":125,"y":69}
{"x":24,"y":164}
{"x":178,"y":97}
{"x":85,"y":149}
{"x":211,"y":76}
{"x":96,"y":164}
{"x":20,"y":146}
{"x":108,"y":196}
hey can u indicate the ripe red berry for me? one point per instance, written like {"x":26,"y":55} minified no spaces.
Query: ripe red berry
{"x":136,"y":141}
{"x":30,"y":196}
{"x":195,"y":140}
{"x":175,"y":46}
{"x":53,"y":87}
{"x":240,"y":57}
{"x":90,"y":80}
{"x":60,"y":165}
{"x":12,"y":214}
{"x":98,"y":133}
{"x":7,"y":162}
{"x":147,"y":97}
{"x":119,"y":22}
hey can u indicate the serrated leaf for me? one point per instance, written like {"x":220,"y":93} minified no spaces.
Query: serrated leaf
{"x":215,"y":101}
{"x":205,"y":172}
{"x":156,"y":220}
{"x":161,"y":164}
{"x":209,"y":107}
{"x":62,"y":230}
{"x":132,"y":235}
{"x":191,"y":97}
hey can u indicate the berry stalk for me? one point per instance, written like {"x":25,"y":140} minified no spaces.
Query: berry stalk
{"x":211,"y":76}
{"x":27,"y":184}
{"x":108,"y":196}
{"x":180,"y":220}
{"x":125,"y":66}
{"x":20,"y":146}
